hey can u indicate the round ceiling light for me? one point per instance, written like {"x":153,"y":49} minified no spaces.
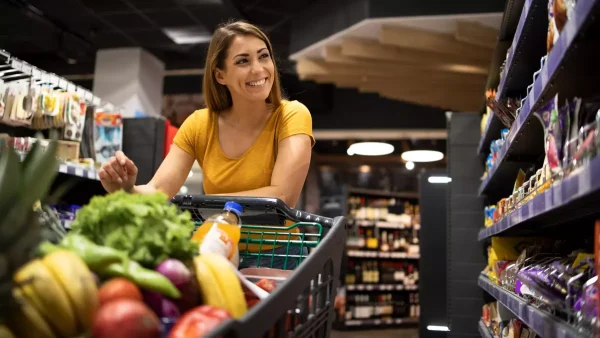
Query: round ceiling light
{"x":370,"y":149}
{"x":410,"y":165}
{"x":422,"y":155}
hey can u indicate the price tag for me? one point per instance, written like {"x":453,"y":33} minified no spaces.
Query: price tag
{"x":360,"y":287}
{"x":369,"y":287}
{"x":79,"y":172}
{"x":377,"y":322}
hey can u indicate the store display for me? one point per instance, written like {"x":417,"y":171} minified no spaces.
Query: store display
{"x":383,"y":243}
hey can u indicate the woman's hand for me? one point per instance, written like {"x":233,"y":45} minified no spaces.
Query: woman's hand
{"x":118,"y":173}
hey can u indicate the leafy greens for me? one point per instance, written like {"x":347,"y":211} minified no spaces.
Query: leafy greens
{"x":147,"y":227}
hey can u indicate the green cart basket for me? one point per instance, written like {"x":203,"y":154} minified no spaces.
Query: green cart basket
{"x":302,"y":306}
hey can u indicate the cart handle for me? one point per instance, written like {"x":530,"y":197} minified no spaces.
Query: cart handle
{"x":263,"y":204}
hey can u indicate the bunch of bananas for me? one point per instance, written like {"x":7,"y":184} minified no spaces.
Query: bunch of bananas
{"x":57,"y":295}
{"x":219,"y":284}
{"x":22,"y":183}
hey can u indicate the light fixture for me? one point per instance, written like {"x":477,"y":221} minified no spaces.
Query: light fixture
{"x":188,"y":35}
{"x":438,"y":328}
{"x":370,"y":149}
{"x":183,"y":190}
{"x":422,"y":155}
{"x":364,"y":168}
{"x":410,"y":165}
{"x":190,"y":174}
{"x":439,"y":179}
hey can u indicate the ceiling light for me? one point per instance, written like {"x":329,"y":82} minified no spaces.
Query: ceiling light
{"x":437,"y":328}
{"x":190,"y":174}
{"x":364,"y":169}
{"x":71,"y":61}
{"x":184,"y":190}
{"x":370,"y":149}
{"x":188,"y":35}
{"x":410,"y":165}
{"x":439,"y":179}
{"x":422,"y":155}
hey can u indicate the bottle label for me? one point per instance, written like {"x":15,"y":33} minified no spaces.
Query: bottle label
{"x":217,"y":241}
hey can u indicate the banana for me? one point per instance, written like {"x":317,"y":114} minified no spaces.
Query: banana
{"x":46,"y":295}
{"x":26,"y":321}
{"x":228,"y":281}
{"x":209,"y":287}
{"x":77,"y":281}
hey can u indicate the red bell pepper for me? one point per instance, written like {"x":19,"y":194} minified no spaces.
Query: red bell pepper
{"x":198,"y":322}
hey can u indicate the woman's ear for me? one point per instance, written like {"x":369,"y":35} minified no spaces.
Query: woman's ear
{"x":220,"y":77}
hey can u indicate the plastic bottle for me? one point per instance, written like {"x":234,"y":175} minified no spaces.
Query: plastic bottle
{"x":221,"y":233}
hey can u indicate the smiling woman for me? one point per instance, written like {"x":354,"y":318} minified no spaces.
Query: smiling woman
{"x":248,"y":140}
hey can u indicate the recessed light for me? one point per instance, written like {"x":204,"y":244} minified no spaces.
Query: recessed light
{"x":439,"y":179}
{"x":370,"y":149}
{"x":422,"y":155}
{"x":364,"y":168}
{"x":188,"y":35}
{"x":410,"y":165}
{"x":184,"y":190}
{"x":190,"y":174}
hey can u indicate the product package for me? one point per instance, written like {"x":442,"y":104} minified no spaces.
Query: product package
{"x":108,"y":135}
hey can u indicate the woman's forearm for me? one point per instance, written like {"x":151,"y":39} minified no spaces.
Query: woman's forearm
{"x":143,"y":189}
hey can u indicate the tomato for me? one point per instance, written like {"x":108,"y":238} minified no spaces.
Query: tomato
{"x":126,"y":318}
{"x":198,"y":322}
{"x":266,"y":284}
{"x":118,"y":288}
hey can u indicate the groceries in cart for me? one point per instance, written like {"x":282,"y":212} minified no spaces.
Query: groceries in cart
{"x":128,"y":268}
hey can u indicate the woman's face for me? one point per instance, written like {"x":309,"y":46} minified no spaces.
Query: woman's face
{"x":248,"y":69}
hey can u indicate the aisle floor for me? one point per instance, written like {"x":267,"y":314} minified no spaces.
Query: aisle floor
{"x":396,"y":333}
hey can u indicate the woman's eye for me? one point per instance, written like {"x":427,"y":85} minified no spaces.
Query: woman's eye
{"x":264,"y":56}
{"x":240,"y":61}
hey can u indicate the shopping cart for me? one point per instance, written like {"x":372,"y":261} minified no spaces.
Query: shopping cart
{"x":302,"y":306}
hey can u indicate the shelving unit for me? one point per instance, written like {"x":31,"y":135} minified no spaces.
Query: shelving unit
{"x":377,"y":214}
{"x":75,"y":170}
{"x":561,"y":72}
{"x":569,"y":69}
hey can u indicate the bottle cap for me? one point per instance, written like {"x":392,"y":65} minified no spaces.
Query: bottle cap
{"x":234,"y":207}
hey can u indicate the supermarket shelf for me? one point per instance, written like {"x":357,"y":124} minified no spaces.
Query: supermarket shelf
{"x":381,"y":322}
{"x":381,"y":224}
{"x":528,"y":46}
{"x":581,"y":187}
{"x":542,"y":323}
{"x":561,"y":73}
{"x":71,"y":169}
{"x":380,"y":254}
{"x":484,"y":331}
{"x":492,"y":131}
{"x":381,"y":287}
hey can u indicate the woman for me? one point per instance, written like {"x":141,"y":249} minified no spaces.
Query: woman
{"x":248,"y":141}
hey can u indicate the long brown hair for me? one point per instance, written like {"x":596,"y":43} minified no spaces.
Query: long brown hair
{"x":217,"y":96}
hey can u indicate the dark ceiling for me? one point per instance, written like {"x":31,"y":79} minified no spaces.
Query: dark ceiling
{"x":62,"y":36}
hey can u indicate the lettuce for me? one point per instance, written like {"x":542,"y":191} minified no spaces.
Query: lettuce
{"x":147,"y":227}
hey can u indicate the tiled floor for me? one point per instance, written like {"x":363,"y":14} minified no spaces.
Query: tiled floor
{"x":395,"y":333}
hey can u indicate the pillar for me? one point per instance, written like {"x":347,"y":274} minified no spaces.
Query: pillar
{"x":130,"y":78}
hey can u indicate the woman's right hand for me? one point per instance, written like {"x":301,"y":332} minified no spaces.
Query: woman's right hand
{"x":119,"y":172}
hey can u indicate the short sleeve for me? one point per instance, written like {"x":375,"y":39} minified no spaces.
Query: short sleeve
{"x":296,"y":120}
{"x":189,"y":135}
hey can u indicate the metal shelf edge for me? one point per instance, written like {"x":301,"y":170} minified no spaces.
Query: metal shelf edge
{"x":484,"y":331}
{"x":78,"y":171}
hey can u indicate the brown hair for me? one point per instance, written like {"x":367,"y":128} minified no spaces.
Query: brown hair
{"x":217,"y":96}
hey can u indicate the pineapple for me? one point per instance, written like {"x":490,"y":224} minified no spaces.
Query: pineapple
{"x":22,"y":184}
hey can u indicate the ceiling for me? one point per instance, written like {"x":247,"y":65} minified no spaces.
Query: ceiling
{"x":445,"y":58}
{"x":62,"y":36}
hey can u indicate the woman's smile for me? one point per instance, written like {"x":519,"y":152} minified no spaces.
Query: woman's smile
{"x":258,"y":83}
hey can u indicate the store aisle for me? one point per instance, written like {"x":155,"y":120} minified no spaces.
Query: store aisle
{"x":396,"y":333}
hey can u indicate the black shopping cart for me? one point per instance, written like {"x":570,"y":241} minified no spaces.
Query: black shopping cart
{"x":302,"y":306}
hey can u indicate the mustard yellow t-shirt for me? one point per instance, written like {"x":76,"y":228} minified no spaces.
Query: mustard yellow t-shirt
{"x":199,"y":137}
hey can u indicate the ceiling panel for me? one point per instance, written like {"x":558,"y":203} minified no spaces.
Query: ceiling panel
{"x":105,"y":6}
{"x":129,"y":22}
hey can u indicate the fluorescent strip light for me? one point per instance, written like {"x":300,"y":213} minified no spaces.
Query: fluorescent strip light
{"x":439,"y":179}
{"x":438,"y":328}
{"x":188,"y":35}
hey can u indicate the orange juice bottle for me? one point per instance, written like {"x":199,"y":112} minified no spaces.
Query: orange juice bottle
{"x":221,"y":233}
